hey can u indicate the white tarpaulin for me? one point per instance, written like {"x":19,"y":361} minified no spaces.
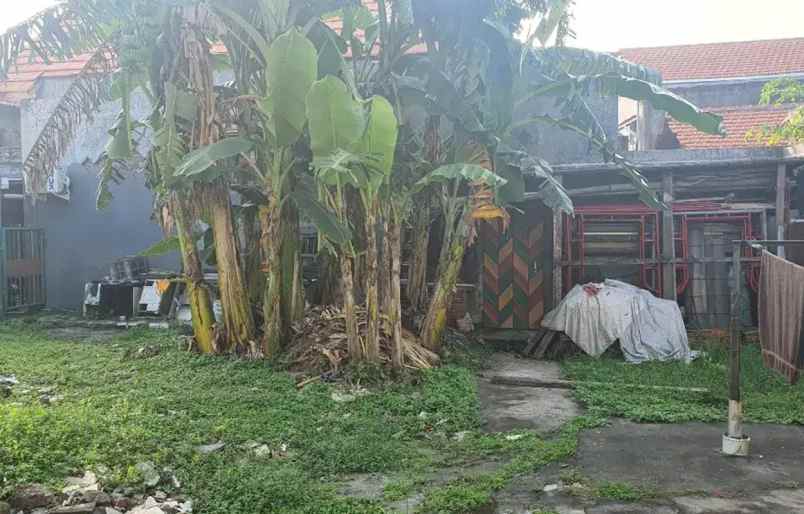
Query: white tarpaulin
{"x":594,"y":316}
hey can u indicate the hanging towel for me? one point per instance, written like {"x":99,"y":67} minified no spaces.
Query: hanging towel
{"x":781,"y":309}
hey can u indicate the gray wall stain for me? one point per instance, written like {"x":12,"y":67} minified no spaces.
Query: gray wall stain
{"x":82,"y":242}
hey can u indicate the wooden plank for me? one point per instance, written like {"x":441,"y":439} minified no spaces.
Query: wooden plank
{"x":544,"y":344}
{"x":569,"y":384}
{"x":533,"y":341}
{"x":558,"y":254}
{"x":781,"y":206}
{"x":668,"y":243}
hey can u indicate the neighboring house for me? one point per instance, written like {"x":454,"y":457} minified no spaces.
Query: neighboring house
{"x":720,"y":188}
{"x":81,"y":241}
{"x":725,"y":78}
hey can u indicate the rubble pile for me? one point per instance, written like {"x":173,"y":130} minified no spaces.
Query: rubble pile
{"x":320,"y":343}
{"x":84,"y":495}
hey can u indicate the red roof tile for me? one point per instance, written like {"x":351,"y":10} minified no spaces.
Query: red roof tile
{"x":738,"y":121}
{"x":21,"y":81}
{"x":722,"y":60}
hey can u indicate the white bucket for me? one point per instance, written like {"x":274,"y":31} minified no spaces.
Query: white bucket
{"x":736,"y":447}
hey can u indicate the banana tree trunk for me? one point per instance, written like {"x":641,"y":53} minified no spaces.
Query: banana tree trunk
{"x":372,"y":293}
{"x":417,"y":278}
{"x":394,"y":237}
{"x":238,"y":319}
{"x":328,"y":279}
{"x":356,"y":353}
{"x":436,"y":320}
{"x":271,"y":223}
{"x":292,"y":300}
{"x":386,"y":290}
{"x":198,"y":292}
{"x":252,"y":257}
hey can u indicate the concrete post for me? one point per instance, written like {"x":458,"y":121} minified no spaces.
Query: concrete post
{"x":650,"y":123}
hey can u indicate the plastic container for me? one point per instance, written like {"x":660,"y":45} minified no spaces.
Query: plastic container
{"x":737,"y":447}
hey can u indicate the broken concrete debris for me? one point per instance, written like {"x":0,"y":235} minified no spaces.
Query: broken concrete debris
{"x":8,"y":380}
{"x":211,"y":448}
{"x":6,"y":383}
{"x":147,"y":470}
{"x":31,"y":497}
{"x":88,"y":482}
{"x":84,"y":495}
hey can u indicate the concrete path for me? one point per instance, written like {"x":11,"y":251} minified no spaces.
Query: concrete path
{"x":681,"y":464}
{"x":686,"y":457}
{"x":505,"y":408}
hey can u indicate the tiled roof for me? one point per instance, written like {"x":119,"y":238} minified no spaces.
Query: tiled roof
{"x":722,"y":60}
{"x":20,"y":83}
{"x":21,"y":80}
{"x":738,"y":121}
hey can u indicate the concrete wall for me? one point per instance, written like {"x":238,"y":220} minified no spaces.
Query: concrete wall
{"x":558,"y":146}
{"x":82,"y":242}
{"x":721,"y":94}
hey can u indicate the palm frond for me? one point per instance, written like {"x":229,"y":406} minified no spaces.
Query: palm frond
{"x":69,"y":28}
{"x":88,"y":91}
{"x":599,"y":141}
{"x":580,"y":61}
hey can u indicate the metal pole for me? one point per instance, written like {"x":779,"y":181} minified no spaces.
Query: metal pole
{"x":735,"y":442}
{"x":735,"y":428}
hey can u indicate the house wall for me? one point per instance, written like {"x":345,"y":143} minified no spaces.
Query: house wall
{"x":736,"y":193}
{"x":82,"y":242}
{"x":558,"y":146}
{"x":720,"y":94}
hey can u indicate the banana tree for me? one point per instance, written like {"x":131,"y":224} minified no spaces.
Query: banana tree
{"x":470,"y":78}
{"x":466,"y":189}
{"x":167,"y":42}
{"x":353,"y":143}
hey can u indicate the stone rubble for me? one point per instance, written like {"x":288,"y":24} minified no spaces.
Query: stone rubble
{"x":84,"y":495}
{"x":6,"y":383}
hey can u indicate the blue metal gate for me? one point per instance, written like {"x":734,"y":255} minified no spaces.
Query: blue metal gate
{"x":23,"y":268}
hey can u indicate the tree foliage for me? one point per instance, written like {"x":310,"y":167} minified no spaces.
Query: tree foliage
{"x":782,"y":93}
{"x":351,"y":124}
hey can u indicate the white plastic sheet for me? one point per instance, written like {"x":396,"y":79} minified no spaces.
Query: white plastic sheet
{"x":594,"y":316}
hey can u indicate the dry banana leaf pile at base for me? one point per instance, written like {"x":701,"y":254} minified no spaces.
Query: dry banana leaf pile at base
{"x":320,"y":344}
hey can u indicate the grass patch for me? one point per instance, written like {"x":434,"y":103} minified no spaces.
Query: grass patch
{"x":623,"y":492}
{"x":117,"y":411}
{"x":468,"y":494}
{"x":767,"y":398}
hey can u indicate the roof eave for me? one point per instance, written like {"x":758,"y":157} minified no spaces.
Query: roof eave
{"x":682,"y":160}
{"x":730,"y":80}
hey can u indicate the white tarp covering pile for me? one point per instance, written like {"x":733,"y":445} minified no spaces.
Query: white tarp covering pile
{"x":594,"y":316}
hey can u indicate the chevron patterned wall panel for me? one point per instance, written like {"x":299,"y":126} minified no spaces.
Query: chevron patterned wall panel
{"x":514,"y":271}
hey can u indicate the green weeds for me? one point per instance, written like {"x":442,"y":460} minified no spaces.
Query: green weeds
{"x":767,"y":398}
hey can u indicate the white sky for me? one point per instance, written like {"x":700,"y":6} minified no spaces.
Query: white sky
{"x":614,"y":24}
{"x":607,"y":25}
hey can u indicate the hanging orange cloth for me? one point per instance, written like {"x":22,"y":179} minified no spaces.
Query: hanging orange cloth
{"x":162,"y":286}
